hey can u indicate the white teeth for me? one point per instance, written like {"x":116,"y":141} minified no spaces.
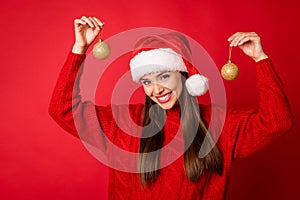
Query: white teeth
{"x":164,"y":97}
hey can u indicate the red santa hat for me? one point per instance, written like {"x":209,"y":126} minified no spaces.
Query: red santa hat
{"x":167,"y":52}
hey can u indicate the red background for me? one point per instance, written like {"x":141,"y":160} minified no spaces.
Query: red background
{"x":38,"y":160}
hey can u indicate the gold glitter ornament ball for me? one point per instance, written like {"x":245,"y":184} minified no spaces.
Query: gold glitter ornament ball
{"x":101,"y":50}
{"x":229,"y":71}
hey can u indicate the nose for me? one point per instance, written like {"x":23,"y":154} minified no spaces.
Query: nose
{"x":157,"y":89}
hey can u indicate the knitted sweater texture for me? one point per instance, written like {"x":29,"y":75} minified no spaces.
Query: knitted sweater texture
{"x":244,"y":133}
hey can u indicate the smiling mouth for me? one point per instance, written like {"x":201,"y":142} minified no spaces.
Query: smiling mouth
{"x":164,"y":98}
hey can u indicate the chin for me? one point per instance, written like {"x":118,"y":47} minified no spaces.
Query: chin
{"x":167,"y":106}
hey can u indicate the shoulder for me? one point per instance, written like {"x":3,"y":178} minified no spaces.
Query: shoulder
{"x":133,"y":109}
{"x":124,"y":112}
{"x":212,"y":113}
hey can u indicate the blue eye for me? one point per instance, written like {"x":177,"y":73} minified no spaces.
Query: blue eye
{"x":146,"y":82}
{"x":164,"y":77}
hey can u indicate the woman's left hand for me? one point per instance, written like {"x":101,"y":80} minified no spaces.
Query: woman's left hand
{"x":249,"y":43}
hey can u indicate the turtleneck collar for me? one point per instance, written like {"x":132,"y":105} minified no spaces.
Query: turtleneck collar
{"x":174,"y":111}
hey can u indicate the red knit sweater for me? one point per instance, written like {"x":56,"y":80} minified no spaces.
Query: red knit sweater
{"x":244,"y":132}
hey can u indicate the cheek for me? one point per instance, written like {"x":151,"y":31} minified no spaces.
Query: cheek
{"x":175,"y":84}
{"x":180,"y":87}
{"x":147,"y":90}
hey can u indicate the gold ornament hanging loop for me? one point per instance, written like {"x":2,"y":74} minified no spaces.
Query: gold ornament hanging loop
{"x":101,"y":50}
{"x":230,"y":71}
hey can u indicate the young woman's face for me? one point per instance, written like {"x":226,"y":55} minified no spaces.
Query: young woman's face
{"x":164,"y":88}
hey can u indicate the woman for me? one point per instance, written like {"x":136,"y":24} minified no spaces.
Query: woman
{"x":162,"y":64}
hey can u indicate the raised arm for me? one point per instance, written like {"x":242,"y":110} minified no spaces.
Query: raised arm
{"x":66,"y":107}
{"x":251,"y":130}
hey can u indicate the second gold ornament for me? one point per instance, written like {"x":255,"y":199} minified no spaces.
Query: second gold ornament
{"x":230,"y":71}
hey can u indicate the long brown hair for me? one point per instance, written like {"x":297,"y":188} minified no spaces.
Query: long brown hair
{"x":192,"y":126}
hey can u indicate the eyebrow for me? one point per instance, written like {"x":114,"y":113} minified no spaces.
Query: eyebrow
{"x":159,"y":74}
{"x":142,"y":79}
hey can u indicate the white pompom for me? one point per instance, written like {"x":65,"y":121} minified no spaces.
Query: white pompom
{"x":197,"y":85}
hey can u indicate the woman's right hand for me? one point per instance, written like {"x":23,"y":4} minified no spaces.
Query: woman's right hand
{"x":86,"y":31}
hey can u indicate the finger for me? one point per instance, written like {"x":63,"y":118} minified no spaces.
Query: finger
{"x":233,"y":36}
{"x":79,"y":22}
{"x":88,"y":21}
{"x":247,"y":37}
{"x":241,"y":38}
{"x":235,"y":39}
{"x":253,"y":38}
{"x":95,"y":24}
{"x":100,"y":23}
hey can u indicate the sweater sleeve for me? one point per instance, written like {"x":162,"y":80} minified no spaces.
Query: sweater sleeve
{"x":251,"y":130}
{"x":81,"y":119}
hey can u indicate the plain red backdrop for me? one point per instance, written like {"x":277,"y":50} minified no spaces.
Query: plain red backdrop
{"x":38,"y":160}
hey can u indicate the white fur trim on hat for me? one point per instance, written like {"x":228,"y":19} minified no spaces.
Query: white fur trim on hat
{"x":197,"y":85}
{"x":156,"y":60}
